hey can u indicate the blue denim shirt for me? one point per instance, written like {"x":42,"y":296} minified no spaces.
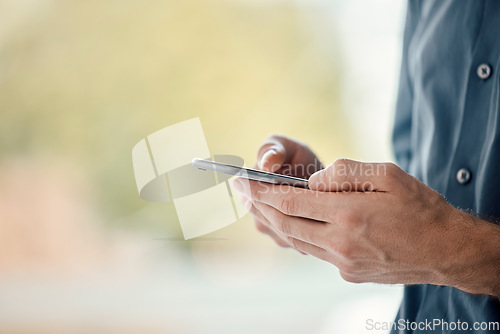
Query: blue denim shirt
{"x":447,"y":131}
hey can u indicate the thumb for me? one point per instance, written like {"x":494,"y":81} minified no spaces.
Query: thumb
{"x":349,"y":175}
{"x":272,"y":158}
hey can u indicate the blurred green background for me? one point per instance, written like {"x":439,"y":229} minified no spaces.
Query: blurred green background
{"x":87,"y":79}
{"x":82,"y":81}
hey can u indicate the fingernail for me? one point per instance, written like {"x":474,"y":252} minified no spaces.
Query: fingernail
{"x":265,"y":157}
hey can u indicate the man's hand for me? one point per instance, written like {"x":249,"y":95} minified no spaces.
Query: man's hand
{"x":279,"y":154}
{"x":377,"y":223}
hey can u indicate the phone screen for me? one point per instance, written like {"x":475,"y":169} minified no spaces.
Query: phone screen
{"x":249,"y":173}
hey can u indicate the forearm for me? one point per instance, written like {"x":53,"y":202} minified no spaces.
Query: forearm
{"x":474,"y":260}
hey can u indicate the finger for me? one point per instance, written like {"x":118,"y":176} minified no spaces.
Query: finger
{"x":263,"y":226}
{"x":308,"y":248}
{"x":272,"y":154}
{"x":307,"y":230}
{"x":246,"y":202}
{"x":292,"y":201}
{"x":259,"y":219}
{"x":349,"y":175}
{"x":319,"y":252}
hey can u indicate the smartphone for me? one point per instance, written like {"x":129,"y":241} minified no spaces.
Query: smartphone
{"x":249,"y":173}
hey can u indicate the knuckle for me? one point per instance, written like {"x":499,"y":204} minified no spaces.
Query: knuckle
{"x":349,"y":277}
{"x":345,"y":251}
{"x":282,"y":226}
{"x":347,"y":268}
{"x":280,"y":242}
{"x":287,"y":205}
{"x":351,"y":270}
{"x":351,"y":220}
{"x":255,"y":194}
{"x":247,"y":204}
{"x":391,"y":170}
{"x":342,"y":162}
{"x":292,"y":242}
{"x":330,"y":171}
{"x":261,"y":227}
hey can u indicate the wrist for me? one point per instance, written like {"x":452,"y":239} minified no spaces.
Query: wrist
{"x":473,"y":261}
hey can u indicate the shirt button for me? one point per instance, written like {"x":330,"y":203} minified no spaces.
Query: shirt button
{"x":463,"y":176}
{"x":484,"y":71}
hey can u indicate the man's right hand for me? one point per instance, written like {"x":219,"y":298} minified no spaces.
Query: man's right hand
{"x":282,"y":155}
